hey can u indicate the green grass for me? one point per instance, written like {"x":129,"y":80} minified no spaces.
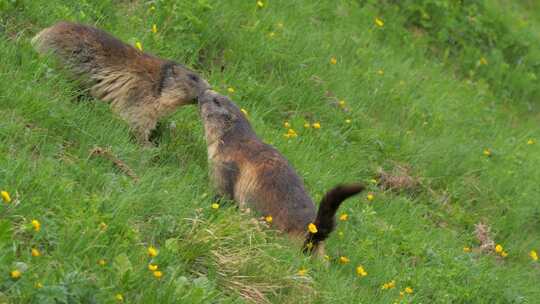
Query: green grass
{"x":407,"y":105}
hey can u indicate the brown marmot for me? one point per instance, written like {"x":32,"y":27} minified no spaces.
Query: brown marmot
{"x":140,"y":87}
{"x":256,"y":175}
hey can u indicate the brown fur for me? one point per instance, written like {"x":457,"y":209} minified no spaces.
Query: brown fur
{"x":256,"y":175}
{"x":140,"y":87}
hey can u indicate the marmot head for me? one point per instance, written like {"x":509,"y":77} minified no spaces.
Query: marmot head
{"x":220,"y":116}
{"x":179,"y":85}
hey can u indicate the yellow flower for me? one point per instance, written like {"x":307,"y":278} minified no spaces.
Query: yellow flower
{"x":231,"y":90}
{"x":317,"y":125}
{"x":409,"y":290}
{"x":138,"y":45}
{"x":15,"y":274}
{"x":154,"y":28}
{"x":152,"y":8}
{"x":244,"y":111}
{"x":291,"y":133}
{"x":348,"y":121}
{"x":483,"y":61}
{"x":286,"y":124}
{"x":152,"y":252}
{"x":342,"y":104}
{"x":157,"y":274}
{"x":39,"y":285}
{"x":533,"y":255}
{"x":373,"y":181}
{"x":5,"y":197}
{"x":215,"y":206}
{"x":279,"y":25}
{"x":312,"y":228}
{"x":309,"y":245}
{"x":504,"y":254}
{"x":333,"y":60}
{"x":307,"y":125}
{"x":35,"y":252}
{"x":36,"y":224}
{"x":268,"y":219}
{"x":119,"y":297}
{"x":103,"y":226}
{"x":499,"y":248}
{"x":530,"y":141}
{"x":360,"y":271}
{"x":152,"y":267}
{"x":380,"y":72}
{"x":370,"y":197}
{"x":101,"y":262}
{"x":302,"y":272}
{"x":260,"y":4}
{"x":466,"y":249}
{"x":343,"y":217}
{"x":389,"y":285}
{"x":379,"y":22}
{"x":327,"y":257}
{"x":271,"y":34}
{"x":344,"y":260}
{"x":487,"y":152}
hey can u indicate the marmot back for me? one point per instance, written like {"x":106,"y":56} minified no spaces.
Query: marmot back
{"x":140,"y":87}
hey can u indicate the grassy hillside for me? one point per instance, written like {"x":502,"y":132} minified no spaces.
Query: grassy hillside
{"x":448,"y":91}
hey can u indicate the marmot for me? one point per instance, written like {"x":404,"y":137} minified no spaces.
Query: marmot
{"x":140,"y":87}
{"x":256,"y":175}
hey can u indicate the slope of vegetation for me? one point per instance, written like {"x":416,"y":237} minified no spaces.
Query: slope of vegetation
{"x":442,"y":95}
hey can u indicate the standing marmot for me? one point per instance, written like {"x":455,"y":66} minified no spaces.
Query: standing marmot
{"x":256,"y":175}
{"x":140,"y":87}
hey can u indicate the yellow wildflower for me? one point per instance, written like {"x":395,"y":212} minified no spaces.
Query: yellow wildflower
{"x":291,"y":133}
{"x":343,"y":217}
{"x":152,"y":8}
{"x":333,"y":60}
{"x":342,"y":104}
{"x":487,"y":152}
{"x":260,"y":4}
{"x":307,"y":125}
{"x":244,"y":111}
{"x":360,"y":271}
{"x":409,"y":290}
{"x":36,"y":224}
{"x":152,"y":267}
{"x":312,"y":228}
{"x":483,"y":61}
{"x":504,"y":254}
{"x":101,"y":262}
{"x":103,"y":226}
{"x":152,"y":252}
{"x":466,"y":249}
{"x":268,"y":219}
{"x":231,"y":90}
{"x":309,"y":245}
{"x":5,"y":197}
{"x":530,"y":141}
{"x":154,"y":28}
{"x":279,"y":25}
{"x":373,"y":181}
{"x":327,"y":257}
{"x":499,"y":248}
{"x":271,"y":34}
{"x":119,"y":297}
{"x":39,"y":285}
{"x":286,"y":124}
{"x":317,"y":125}
{"x":533,"y":255}
{"x":380,"y":72}
{"x":379,"y":22}
{"x":138,"y":45}
{"x":157,"y":274}
{"x":370,"y":197}
{"x":215,"y":206}
{"x":348,"y":121}
{"x":389,"y":285}
{"x":35,"y":252}
{"x":344,"y":260}
{"x":302,"y":272}
{"x":15,"y":274}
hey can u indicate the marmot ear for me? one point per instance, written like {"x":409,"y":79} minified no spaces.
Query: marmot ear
{"x":166,"y":76}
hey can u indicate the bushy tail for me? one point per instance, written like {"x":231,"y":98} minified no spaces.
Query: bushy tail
{"x":325,"y":221}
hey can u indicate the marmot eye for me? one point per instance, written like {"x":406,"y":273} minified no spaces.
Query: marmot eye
{"x":193,"y":77}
